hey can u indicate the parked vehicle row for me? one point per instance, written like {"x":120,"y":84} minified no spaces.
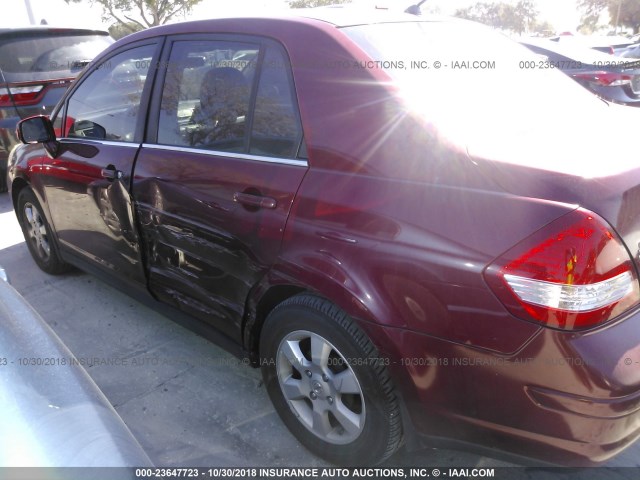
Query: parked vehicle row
{"x":615,"y":79}
{"x":406,"y":253}
{"x":632,"y":51}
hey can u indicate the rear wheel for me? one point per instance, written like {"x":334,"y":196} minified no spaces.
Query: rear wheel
{"x":38,"y":234}
{"x":328,"y":384}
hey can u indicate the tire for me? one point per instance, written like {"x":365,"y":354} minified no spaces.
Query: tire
{"x":38,"y":234}
{"x":338,"y":401}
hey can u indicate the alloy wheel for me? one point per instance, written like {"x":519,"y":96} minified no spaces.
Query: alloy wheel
{"x":320,"y":387}
{"x":37,"y":231}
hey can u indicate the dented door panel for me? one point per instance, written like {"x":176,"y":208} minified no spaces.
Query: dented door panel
{"x":93,"y":215}
{"x":206,"y":246}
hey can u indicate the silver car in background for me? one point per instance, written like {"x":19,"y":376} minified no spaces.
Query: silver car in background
{"x":52,"y":414}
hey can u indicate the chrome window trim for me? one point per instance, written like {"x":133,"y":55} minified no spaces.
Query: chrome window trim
{"x":93,"y":141}
{"x":242,"y":156}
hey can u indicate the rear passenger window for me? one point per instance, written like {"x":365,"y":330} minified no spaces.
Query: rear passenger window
{"x":206,"y":95}
{"x":276,"y":128}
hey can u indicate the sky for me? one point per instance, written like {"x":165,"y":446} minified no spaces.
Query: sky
{"x":561,"y":13}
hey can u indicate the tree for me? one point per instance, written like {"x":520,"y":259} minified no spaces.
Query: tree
{"x":629,"y":14}
{"x":118,"y":30}
{"x":314,"y":3}
{"x":517,"y":18}
{"x":542,"y":28}
{"x":625,"y":13}
{"x":134,"y":15}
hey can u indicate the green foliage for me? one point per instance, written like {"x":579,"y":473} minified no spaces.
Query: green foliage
{"x":314,"y":3}
{"x":629,"y":14}
{"x":592,"y":10}
{"x":543,"y":28}
{"x":133,"y":15}
{"x":517,"y":18}
{"x":118,"y":30}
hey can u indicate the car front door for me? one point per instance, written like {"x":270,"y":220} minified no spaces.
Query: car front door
{"x":87,"y":185}
{"x":215,"y":183}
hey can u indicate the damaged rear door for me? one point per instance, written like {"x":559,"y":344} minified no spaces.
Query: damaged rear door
{"x":87,"y":185}
{"x":215,"y":182}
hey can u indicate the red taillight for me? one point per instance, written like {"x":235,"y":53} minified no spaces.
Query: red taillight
{"x":606,"y":79}
{"x":20,"y":95}
{"x":574,"y":273}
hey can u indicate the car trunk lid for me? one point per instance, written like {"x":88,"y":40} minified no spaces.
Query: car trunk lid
{"x":580,"y":159}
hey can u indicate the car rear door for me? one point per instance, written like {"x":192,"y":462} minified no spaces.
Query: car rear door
{"x":87,"y":185}
{"x":215,"y":181}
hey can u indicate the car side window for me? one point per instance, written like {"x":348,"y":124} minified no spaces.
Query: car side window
{"x":206,"y":95}
{"x":105,"y":106}
{"x":276,"y":130}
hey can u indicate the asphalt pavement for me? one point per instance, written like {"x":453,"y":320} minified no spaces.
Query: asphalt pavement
{"x":188,"y":402}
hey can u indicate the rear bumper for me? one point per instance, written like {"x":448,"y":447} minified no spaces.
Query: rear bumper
{"x":564,"y":398}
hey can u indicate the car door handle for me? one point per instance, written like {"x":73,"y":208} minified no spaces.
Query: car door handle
{"x":111,"y":174}
{"x":256,"y":201}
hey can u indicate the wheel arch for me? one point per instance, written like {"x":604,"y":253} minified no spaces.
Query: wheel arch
{"x":278,"y":286}
{"x":17,"y":186}
{"x":328,"y":321}
{"x":262,"y":300}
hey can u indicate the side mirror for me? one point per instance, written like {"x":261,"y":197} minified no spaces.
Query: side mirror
{"x":38,"y":130}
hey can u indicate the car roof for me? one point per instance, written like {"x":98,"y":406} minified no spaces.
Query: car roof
{"x":347,"y":16}
{"x":278,"y":25}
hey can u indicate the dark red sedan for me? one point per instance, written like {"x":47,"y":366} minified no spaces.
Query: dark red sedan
{"x":413,"y":236}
